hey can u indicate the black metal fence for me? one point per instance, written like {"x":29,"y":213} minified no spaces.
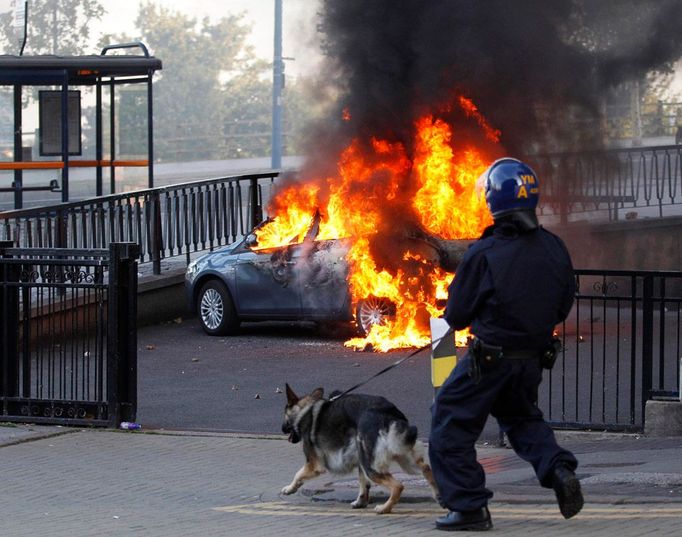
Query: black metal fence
{"x":68,"y":336}
{"x":164,"y":222}
{"x":610,"y":184}
{"x":622,"y":346}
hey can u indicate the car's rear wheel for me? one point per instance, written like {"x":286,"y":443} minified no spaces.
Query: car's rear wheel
{"x":373,"y":310}
{"x":217,"y":314}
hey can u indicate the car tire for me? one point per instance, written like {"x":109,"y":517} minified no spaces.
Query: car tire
{"x":215,"y":307}
{"x":372,"y":310}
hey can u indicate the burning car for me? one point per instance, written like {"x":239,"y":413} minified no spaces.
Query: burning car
{"x":306,"y":280}
{"x":301,"y":281}
{"x":374,"y":237}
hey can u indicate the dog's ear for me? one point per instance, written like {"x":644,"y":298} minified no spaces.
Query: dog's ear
{"x":317,"y":393}
{"x":292,"y":398}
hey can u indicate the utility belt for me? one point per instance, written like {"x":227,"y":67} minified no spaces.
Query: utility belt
{"x":486,"y":357}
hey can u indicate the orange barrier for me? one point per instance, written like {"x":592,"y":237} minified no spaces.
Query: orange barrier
{"x":31,"y":165}
{"x":125,"y":163}
{"x":56,"y":165}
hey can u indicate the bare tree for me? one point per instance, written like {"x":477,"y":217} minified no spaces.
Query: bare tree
{"x":54,"y":27}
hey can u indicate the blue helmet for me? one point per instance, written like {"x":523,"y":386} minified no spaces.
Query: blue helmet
{"x":510,"y":185}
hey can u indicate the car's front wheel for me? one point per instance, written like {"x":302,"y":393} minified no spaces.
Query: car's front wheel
{"x":217,"y":314}
{"x":373,"y":310}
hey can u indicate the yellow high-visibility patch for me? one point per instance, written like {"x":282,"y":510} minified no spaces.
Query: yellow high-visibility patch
{"x":443,"y":351}
{"x":441,"y":369}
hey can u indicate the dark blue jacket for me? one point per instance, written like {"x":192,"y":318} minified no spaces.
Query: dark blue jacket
{"x":512,"y":287}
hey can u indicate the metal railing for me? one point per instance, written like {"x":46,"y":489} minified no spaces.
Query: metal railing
{"x":622,"y":346}
{"x":610,"y":183}
{"x":164,"y":222}
{"x":191,"y":217}
{"x":68,"y":335}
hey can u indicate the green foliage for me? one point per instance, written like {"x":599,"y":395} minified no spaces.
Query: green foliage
{"x":59,"y":27}
{"x":212,"y":98}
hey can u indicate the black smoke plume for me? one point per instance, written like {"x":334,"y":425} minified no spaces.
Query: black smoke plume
{"x":533,"y":67}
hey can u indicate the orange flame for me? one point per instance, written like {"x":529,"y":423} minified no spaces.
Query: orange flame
{"x":377,"y":189}
{"x":294,"y":207}
{"x":447,"y":202}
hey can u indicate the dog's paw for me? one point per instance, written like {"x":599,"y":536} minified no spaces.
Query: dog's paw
{"x":383,"y":509}
{"x":289,"y":490}
{"x":359,"y":504}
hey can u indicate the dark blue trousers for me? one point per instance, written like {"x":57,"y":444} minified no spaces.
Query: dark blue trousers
{"x":509,"y":392}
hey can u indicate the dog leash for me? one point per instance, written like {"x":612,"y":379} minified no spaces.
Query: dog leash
{"x":393,"y":365}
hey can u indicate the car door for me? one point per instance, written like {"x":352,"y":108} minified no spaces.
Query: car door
{"x":266,"y":283}
{"x":323,"y":273}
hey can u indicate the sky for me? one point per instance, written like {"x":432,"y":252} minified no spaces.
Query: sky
{"x":299,"y":35}
{"x":300,"y":39}
{"x":298,"y":27}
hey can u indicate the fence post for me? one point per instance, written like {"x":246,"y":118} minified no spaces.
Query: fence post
{"x":60,"y":230}
{"x":9,"y":326}
{"x":122,"y":333}
{"x":647,"y":339}
{"x":155,"y":224}
{"x":256,"y":209}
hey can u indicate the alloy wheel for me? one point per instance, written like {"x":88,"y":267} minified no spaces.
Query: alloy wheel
{"x":373,"y":310}
{"x":212,"y":309}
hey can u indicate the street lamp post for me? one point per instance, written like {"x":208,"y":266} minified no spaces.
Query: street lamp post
{"x":277,"y":85}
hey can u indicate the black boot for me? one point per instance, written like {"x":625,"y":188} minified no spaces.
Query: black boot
{"x":478,"y":520}
{"x":567,"y":488}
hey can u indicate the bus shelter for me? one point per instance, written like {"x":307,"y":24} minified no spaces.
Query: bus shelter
{"x":59,"y":131}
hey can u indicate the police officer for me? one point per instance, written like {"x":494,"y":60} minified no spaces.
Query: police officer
{"x":513,"y":286}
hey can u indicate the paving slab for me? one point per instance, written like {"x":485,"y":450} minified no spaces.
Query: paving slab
{"x":15,"y":433}
{"x":165,"y":483}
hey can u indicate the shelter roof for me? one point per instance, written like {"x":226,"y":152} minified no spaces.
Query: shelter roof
{"x":49,"y":69}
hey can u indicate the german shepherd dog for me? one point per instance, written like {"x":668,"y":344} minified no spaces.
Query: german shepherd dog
{"x":362,"y":432}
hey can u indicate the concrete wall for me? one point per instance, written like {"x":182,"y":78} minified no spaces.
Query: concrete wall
{"x":161,"y":298}
{"x":644,"y":244}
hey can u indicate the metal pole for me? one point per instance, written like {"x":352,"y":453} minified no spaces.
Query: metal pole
{"x":23,"y":41}
{"x":156,"y":231}
{"x":112,"y":135}
{"x":65,"y":138}
{"x":113,"y":331}
{"x":122,"y":333}
{"x":9,"y":328}
{"x":150,"y":130}
{"x":679,"y":384}
{"x":256,"y":210}
{"x":18,"y":151}
{"x":277,"y":83}
{"x":98,"y":136}
{"x":647,"y":339}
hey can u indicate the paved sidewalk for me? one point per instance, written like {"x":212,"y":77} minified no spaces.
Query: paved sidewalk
{"x":72,"y":482}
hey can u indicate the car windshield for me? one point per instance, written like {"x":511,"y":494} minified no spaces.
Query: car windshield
{"x":252,"y":240}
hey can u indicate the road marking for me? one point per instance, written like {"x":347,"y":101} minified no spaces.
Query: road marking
{"x":548,"y":512}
